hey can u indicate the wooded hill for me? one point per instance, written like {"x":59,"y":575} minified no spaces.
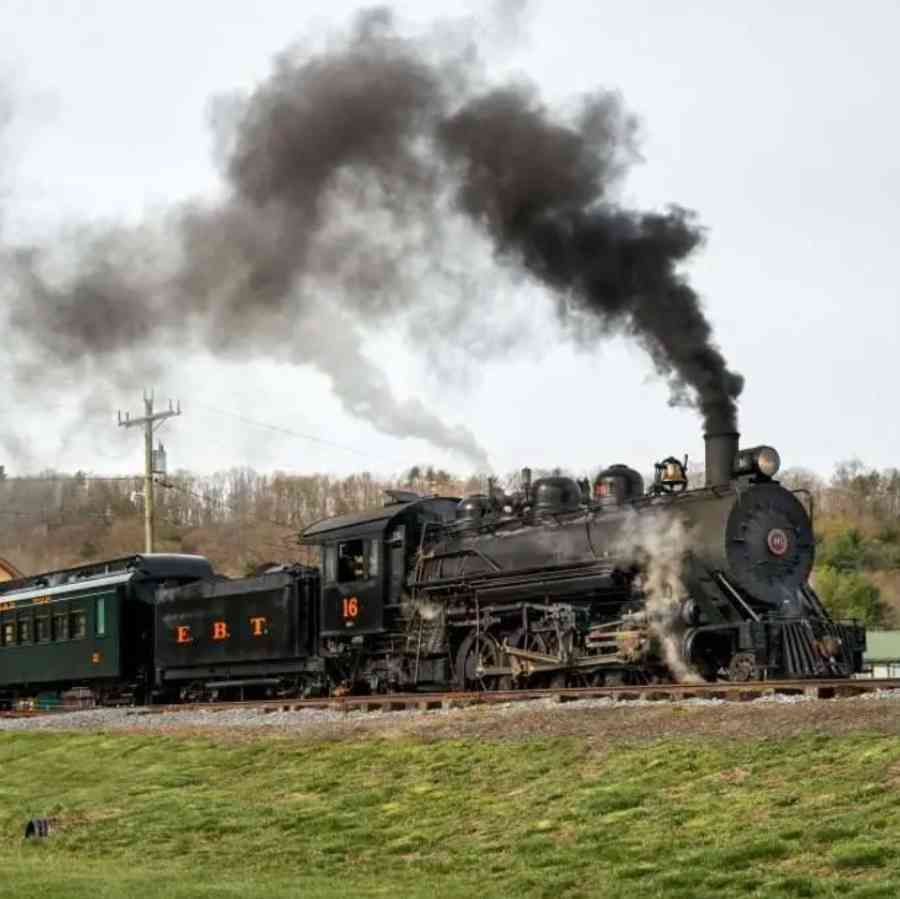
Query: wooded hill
{"x":237,"y":518}
{"x":241,"y":518}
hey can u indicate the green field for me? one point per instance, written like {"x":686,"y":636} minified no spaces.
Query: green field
{"x":151,"y":816}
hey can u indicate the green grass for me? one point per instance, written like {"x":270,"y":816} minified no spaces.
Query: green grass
{"x":164,"y":816}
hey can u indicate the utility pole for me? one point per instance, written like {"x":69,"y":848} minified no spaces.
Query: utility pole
{"x":149,"y":419}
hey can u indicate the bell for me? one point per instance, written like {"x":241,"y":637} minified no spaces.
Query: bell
{"x":673,"y":473}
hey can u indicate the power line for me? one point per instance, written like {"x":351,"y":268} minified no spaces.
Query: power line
{"x":46,"y":514}
{"x":288,"y":431}
{"x":69,"y":477}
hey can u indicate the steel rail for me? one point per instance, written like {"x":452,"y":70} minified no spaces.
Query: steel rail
{"x":744,"y":691}
{"x":392,"y":702}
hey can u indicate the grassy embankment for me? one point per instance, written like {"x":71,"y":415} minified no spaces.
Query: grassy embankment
{"x":150,"y":816}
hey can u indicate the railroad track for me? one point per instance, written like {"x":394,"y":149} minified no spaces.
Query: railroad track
{"x":23,"y":713}
{"x":396,"y":702}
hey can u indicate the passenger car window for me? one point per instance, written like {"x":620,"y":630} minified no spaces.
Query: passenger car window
{"x":9,"y":633}
{"x":42,"y":629}
{"x":77,"y":624}
{"x":60,"y":629}
{"x":25,"y":630}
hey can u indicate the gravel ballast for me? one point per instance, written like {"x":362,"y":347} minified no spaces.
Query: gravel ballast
{"x":599,"y":720}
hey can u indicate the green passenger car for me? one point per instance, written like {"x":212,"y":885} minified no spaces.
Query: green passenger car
{"x":89,"y":627}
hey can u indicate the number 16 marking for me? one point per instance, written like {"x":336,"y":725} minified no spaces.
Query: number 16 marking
{"x":351,"y":607}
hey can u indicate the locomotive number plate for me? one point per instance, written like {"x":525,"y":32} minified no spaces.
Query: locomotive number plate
{"x":777,"y":541}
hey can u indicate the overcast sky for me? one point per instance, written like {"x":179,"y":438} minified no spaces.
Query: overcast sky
{"x":776,"y":122}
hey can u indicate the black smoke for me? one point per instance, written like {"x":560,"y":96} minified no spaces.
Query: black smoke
{"x":348,"y":172}
{"x":540,"y":189}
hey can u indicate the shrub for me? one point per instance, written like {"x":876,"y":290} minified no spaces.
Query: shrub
{"x":849,"y":594}
{"x":845,"y":551}
{"x":849,"y":550}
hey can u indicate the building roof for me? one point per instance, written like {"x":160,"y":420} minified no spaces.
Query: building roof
{"x":882,"y":646}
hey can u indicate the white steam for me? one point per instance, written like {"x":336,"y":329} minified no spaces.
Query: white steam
{"x":658,"y":541}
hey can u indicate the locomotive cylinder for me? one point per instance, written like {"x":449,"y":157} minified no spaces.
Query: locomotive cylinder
{"x":721,"y":452}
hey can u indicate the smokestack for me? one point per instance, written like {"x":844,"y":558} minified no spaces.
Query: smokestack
{"x":721,"y":451}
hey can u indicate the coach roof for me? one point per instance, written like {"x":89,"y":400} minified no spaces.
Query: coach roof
{"x":152,"y":565}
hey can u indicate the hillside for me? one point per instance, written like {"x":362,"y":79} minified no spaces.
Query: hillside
{"x":237,"y":518}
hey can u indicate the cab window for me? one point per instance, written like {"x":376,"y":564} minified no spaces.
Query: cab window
{"x":101,"y":616}
{"x":374,"y":557}
{"x":330,"y":564}
{"x":352,"y":561}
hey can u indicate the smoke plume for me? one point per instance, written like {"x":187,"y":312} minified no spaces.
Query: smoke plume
{"x":362,"y":179}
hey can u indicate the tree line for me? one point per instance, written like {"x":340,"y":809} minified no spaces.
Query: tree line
{"x":238,"y":518}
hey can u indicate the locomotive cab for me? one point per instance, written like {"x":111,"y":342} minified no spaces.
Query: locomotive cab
{"x":364,"y":606}
{"x":366,"y":557}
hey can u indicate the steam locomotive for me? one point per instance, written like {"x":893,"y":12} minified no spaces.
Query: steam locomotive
{"x":558,"y":583}
{"x":561,"y":585}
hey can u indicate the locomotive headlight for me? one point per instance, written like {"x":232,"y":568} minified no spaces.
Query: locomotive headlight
{"x":768,"y":461}
{"x":762,"y":460}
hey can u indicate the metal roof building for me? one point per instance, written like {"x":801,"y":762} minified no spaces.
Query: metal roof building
{"x":883,"y":653}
